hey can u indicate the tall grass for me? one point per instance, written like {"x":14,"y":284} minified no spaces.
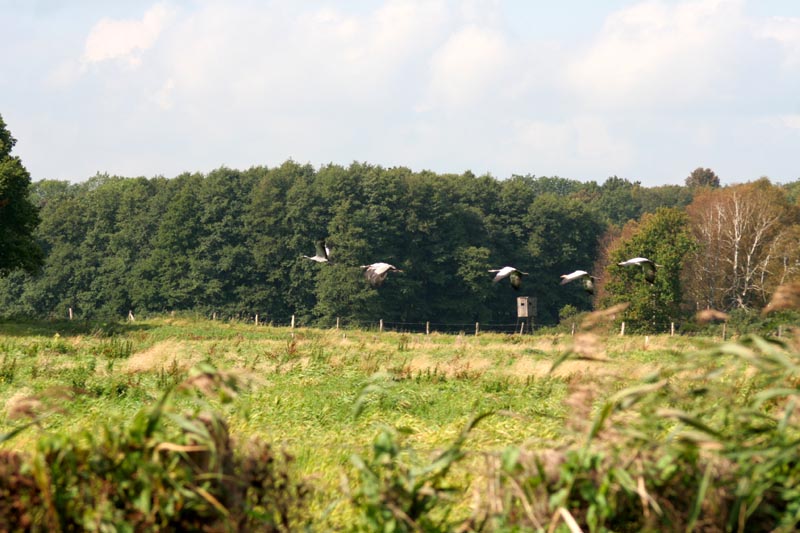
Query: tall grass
{"x":398,"y":432}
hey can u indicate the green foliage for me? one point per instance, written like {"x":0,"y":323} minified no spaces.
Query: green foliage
{"x":231,"y":242}
{"x":18,"y":215}
{"x":116,"y":348}
{"x":702,"y":177}
{"x":664,"y":238}
{"x":562,"y":238}
{"x":396,"y":491}
{"x":704,"y":440}
{"x":165,"y":470}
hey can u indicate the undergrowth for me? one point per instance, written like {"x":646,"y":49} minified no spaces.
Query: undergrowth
{"x":709,"y":441}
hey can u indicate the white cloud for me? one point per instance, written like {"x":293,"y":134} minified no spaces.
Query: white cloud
{"x":469,"y":67}
{"x":257,"y":81}
{"x":125,"y":39}
{"x":661,"y":54}
{"x":791,"y":122}
{"x":582,"y":145}
{"x":164,"y":95}
{"x":786,"y":32}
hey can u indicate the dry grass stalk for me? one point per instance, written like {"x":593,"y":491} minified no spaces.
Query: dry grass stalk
{"x":21,"y":405}
{"x":589,"y":346}
{"x":786,"y":297}
{"x":25,"y":405}
{"x":711,"y":315}
{"x":604,"y":316}
{"x":579,"y":401}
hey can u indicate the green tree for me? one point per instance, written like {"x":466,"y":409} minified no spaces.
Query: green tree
{"x":702,"y":177}
{"x":665,"y":238}
{"x":562,"y":237}
{"x":18,"y":215}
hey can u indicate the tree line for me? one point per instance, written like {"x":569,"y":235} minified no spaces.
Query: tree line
{"x":231,"y":242}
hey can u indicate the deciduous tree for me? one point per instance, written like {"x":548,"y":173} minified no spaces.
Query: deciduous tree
{"x":18,"y":215}
{"x":743,"y":233}
{"x":702,"y":177}
{"x":665,"y":238}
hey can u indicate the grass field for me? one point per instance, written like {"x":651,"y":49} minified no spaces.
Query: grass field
{"x":323,"y":395}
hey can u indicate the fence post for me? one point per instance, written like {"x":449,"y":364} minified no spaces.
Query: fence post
{"x":622,"y":329}
{"x":672,"y":329}
{"x":380,"y":326}
{"x":427,"y":328}
{"x":477,"y":328}
{"x":70,"y":313}
{"x":292,"y":321}
{"x":214,"y":315}
{"x":724,"y":330}
{"x":256,"y":319}
{"x":337,"y":322}
{"x":573,"y":328}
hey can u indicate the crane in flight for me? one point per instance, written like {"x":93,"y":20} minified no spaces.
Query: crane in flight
{"x":587,"y":280}
{"x":376,"y":272}
{"x":514,"y":276}
{"x":323,"y":253}
{"x":648,"y":267}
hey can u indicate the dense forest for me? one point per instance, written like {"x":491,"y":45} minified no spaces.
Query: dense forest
{"x":232,"y":242}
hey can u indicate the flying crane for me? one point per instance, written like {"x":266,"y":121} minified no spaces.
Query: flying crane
{"x":376,"y":272}
{"x":322,"y":254}
{"x":648,"y":267}
{"x":514,"y":275}
{"x":587,"y":280}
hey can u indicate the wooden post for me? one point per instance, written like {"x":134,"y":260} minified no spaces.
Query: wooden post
{"x":256,"y":319}
{"x":646,"y":340}
{"x":672,"y":329}
{"x":724,"y":330}
{"x":70,"y":313}
{"x":427,"y":328}
{"x":337,"y":322}
{"x":521,"y":327}
{"x":477,"y":328}
{"x":292,"y":321}
{"x":622,"y":329}
{"x":214,"y":315}
{"x":573,"y":328}
{"x":380,"y":326}
{"x":780,"y":331}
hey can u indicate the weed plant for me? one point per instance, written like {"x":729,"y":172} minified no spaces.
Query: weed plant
{"x":149,"y":425}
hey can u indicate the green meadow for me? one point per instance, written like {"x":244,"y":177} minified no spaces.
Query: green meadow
{"x":327,"y":397}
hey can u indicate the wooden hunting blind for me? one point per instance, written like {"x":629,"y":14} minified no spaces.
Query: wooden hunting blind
{"x":526,"y":307}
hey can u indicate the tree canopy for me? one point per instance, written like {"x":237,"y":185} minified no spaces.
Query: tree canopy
{"x":18,"y":215}
{"x":232,"y":242}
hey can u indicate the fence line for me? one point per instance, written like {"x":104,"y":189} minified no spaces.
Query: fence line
{"x":427,"y":327}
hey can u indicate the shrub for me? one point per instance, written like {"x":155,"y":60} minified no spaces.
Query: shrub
{"x":165,"y":470}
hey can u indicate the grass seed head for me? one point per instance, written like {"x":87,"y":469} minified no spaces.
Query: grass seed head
{"x":786,"y":297}
{"x":711,"y":315}
{"x":604,"y":316}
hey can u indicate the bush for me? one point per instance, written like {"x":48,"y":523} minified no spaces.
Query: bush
{"x":164,"y":471}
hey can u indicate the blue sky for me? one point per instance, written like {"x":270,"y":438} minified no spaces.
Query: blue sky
{"x":644,"y":90}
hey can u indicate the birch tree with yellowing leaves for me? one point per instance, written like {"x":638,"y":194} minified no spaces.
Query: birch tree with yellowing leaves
{"x":744,"y":233}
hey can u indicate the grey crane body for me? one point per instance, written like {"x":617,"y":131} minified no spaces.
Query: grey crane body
{"x":587,"y":280}
{"x":376,"y":272}
{"x":514,"y":276}
{"x":648,"y":267}
{"x":322,"y":254}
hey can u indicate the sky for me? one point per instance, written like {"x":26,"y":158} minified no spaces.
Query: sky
{"x":646,"y":90}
